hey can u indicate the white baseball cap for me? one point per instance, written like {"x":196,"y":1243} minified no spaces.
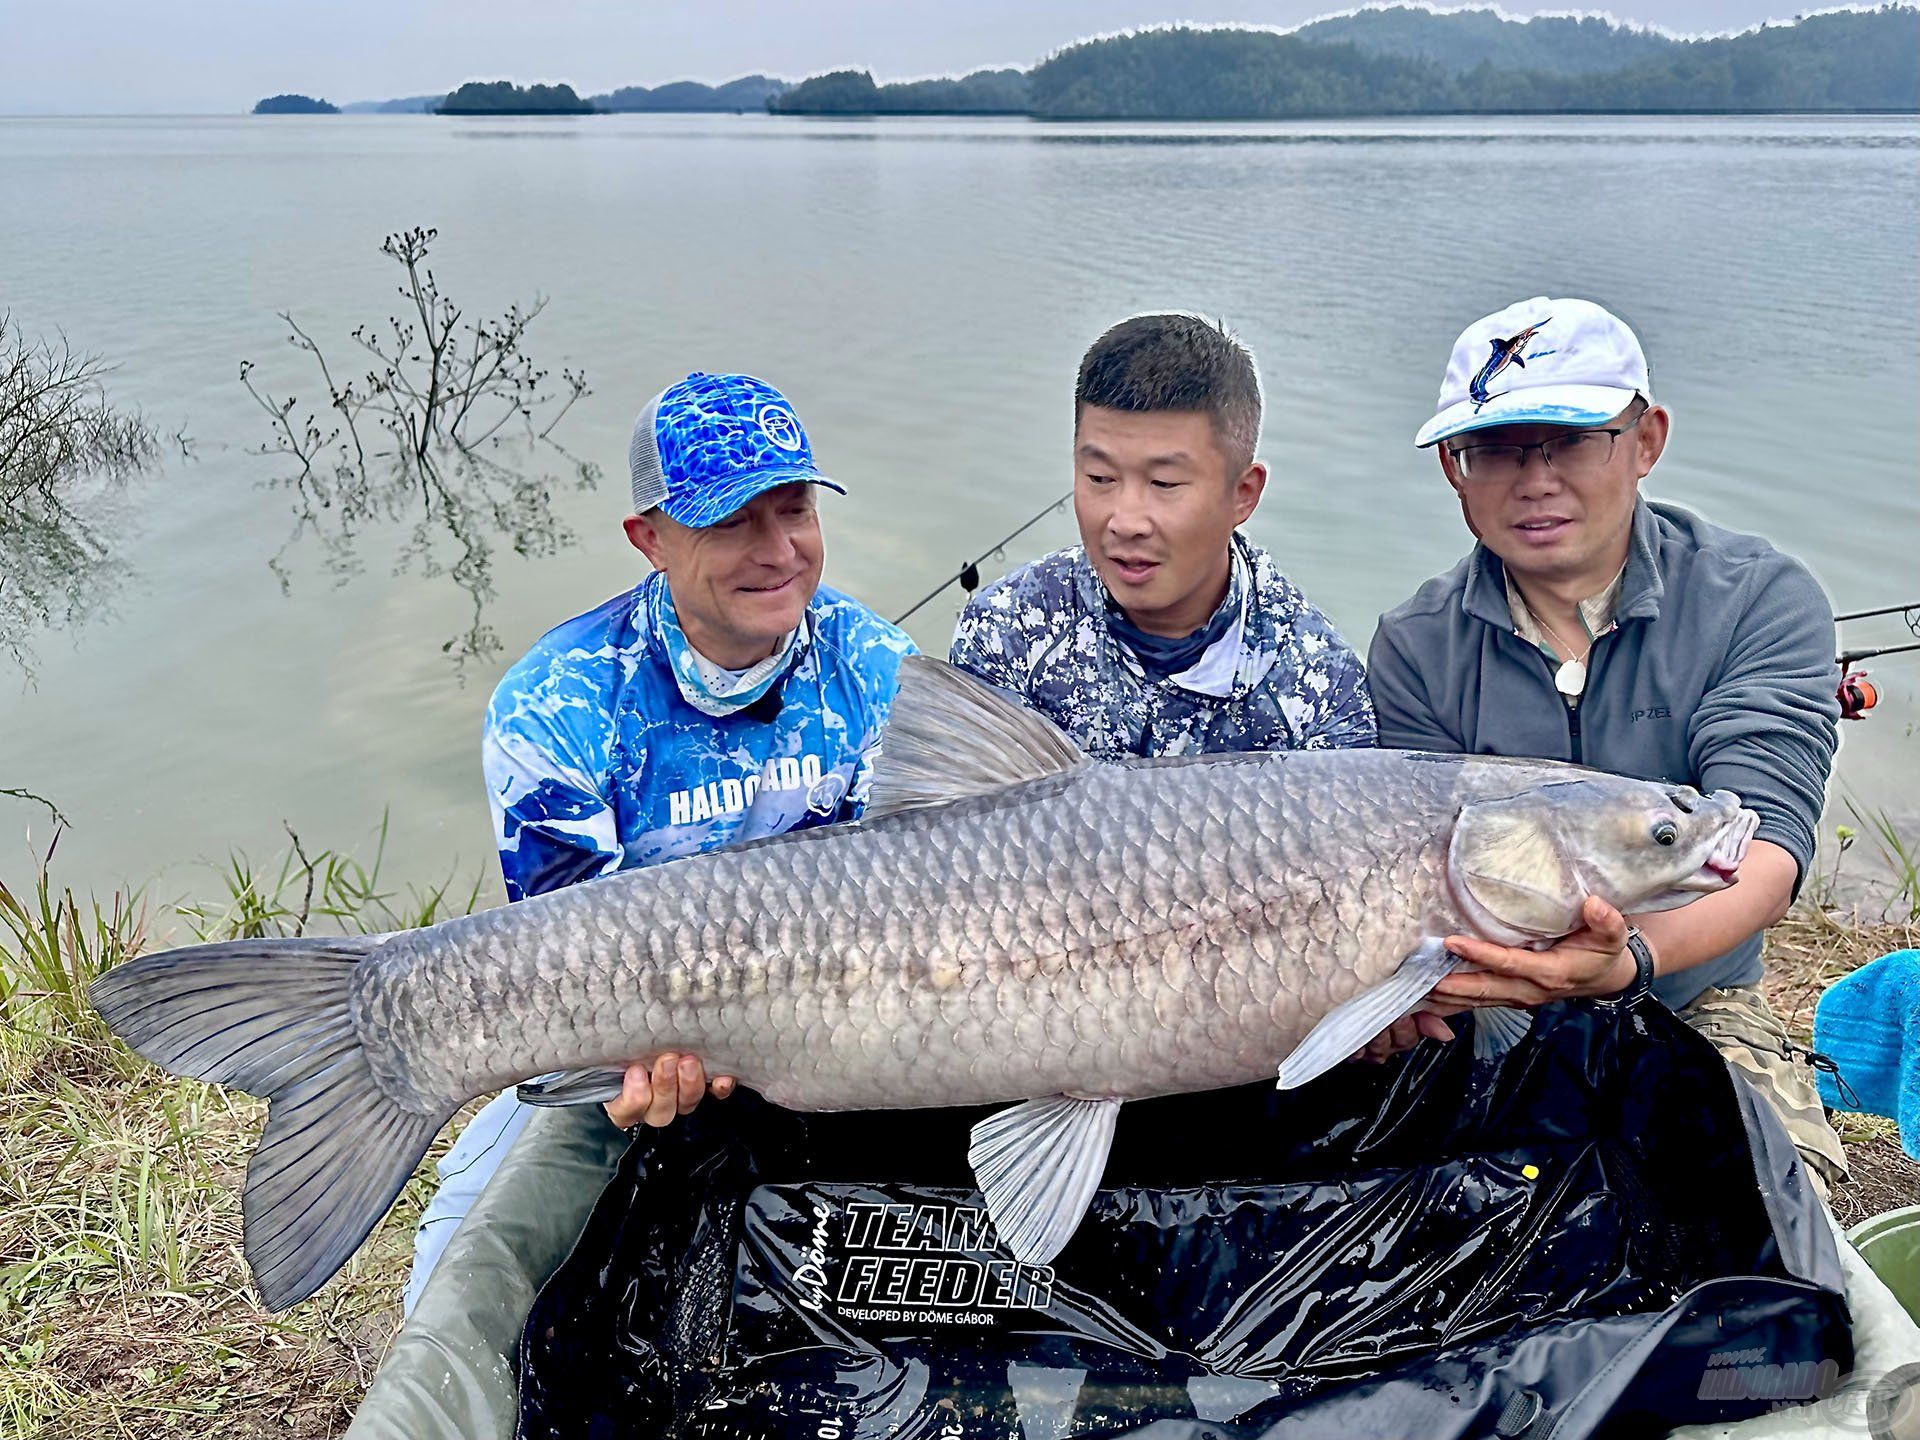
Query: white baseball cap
{"x":1540,"y":362}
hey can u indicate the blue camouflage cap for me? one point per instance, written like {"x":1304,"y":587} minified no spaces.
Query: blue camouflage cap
{"x":706,"y":446}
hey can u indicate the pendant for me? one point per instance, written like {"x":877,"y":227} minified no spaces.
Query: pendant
{"x":1571,"y":678}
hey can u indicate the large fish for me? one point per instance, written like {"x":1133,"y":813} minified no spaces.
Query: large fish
{"x":1011,"y":922}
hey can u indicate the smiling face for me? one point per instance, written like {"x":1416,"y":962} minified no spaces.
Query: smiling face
{"x":1550,"y":525}
{"x":1157,"y":501}
{"x":739,"y":586}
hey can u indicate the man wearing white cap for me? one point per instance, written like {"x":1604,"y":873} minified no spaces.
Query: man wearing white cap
{"x":1591,"y":625}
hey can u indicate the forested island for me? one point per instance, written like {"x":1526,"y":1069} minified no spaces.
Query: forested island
{"x":749,"y":92}
{"x":1408,"y":61}
{"x":405,"y":105}
{"x":853,"y":92}
{"x":1391,"y":60}
{"x":294,"y":105}
{"x":503,"y":97}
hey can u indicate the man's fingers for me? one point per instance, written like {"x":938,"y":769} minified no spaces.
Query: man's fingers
{"x":1500,"y":959}
{"x":1432,"y":1026}
{"x":1402,"y":1034}
{"x":672,"y":1086}
{"x":1607,"y":924}
{"x":666,"y":1091}
{"x":1485,"y":991}
{"x":693,"y":1083}
{"x":636,"y":1093}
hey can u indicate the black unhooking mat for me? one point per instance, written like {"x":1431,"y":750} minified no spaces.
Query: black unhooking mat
{"x":1587,"y":1239}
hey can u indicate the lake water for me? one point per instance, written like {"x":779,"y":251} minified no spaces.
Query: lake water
{"x":923,"y":289}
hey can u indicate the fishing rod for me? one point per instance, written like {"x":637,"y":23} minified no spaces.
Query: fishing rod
{"x":1857,"y":694}
{"x":967,"y":577}
{"x":1909,"y":616}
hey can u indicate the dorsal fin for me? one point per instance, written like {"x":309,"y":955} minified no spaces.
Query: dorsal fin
{"x":950,"y":736}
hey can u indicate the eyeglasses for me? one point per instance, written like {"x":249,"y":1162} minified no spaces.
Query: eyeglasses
{"x":1575,"y":455}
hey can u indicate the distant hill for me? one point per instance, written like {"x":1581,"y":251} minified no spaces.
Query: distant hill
{"x":1842,"y":61}
{"x":410,"y":105}
{"x":749,"y":92}
{"x":503,"y":97}
{"x":985,"y":92}
{"x":294,"y":105}
{"x":1185,"y":74}
{"x":1462,"y":39}
{"x":1393,"y":59}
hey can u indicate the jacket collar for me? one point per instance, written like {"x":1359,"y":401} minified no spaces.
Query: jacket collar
{"x":668,"y":642}
{"x":1252,"y":661}
{"x":1484,"y":596}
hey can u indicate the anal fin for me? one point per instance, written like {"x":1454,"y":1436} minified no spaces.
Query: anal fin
{"x":1037,"y":1165}
{"x":1347,"y":1027}
{"x":573,"y":1087}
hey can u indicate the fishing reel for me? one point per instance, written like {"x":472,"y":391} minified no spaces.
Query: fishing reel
{"x":1857,"y":695}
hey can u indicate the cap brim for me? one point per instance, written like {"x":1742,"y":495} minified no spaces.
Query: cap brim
{"x":1573,"y":405}
{"x":711,"y":507}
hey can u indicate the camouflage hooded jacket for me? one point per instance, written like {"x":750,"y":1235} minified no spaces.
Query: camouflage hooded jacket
{"x":1281,"y":678}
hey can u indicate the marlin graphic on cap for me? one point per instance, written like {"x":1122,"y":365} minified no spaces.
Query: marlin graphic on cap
{"x":1505,"y":353}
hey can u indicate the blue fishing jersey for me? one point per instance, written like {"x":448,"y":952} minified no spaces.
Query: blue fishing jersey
{"x":595,"y":761}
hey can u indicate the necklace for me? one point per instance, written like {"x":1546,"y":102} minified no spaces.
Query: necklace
{"x":1571,"y":678}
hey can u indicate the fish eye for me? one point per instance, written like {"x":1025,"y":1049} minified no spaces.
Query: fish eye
{"x":1665,"y":833}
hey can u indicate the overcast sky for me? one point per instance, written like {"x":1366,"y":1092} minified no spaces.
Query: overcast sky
{"x":219,"y":56}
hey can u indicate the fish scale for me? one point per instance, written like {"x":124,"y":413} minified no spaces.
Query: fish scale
{"x":1237,"y":870}
{"x":1010,"y":923}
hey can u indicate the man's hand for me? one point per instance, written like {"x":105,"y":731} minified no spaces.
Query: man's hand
{"x":1405,"y":1033}
{"x":671,"y":1087}
{"x":1593,"y":960}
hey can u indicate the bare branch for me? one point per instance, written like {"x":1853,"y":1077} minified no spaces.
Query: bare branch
{"x":440,"y":387}
{"x":63,"y":447}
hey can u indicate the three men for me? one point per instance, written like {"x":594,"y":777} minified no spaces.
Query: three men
{"x":726,"y":697}
{"x":1589,"y":624}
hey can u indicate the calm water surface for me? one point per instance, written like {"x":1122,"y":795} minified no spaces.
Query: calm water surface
{"x":923,"y":289}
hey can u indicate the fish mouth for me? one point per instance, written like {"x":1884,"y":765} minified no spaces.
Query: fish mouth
{"x":1720,"y":867}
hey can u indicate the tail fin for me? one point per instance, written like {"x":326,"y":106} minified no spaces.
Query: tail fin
{"x":271,"y":1017}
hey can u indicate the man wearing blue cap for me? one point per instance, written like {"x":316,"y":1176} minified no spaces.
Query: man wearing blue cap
{"x":1589,"y":624}
{"x":727,"y":696}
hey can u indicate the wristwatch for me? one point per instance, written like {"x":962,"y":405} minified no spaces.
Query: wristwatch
{"x":1642,"y":981}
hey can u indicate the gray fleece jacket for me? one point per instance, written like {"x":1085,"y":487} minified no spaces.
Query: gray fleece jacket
{"x":1719,"y":674}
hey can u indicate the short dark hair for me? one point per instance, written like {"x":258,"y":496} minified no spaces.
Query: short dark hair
{"x":1177,"y":362}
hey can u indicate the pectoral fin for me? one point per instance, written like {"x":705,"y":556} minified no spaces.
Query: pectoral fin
{"x":1497,"y":1030}
{"x":1037,"y":1166}
{"x":1346,"y":1028}
{"x":573,"y":1087}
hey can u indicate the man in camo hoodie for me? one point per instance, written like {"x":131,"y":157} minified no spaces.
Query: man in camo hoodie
{"x":1166,"y":632}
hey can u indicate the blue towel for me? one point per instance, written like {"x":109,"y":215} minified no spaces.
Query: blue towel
{"x":1869,"y":1023}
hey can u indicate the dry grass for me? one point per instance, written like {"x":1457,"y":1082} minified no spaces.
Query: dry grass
{"x":125,"y":1309}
